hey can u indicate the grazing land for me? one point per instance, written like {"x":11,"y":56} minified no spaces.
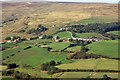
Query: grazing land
{"x":63,"y":34}
{"x":114,"y":32}
{"x":105,"y":48}
{"x":86,"y":74}
{"x":88,"y":35}
{"x":59,"y":45}
{"x":34,"y":57}
{"x":91,"y":64}
{"x":73,"y":48}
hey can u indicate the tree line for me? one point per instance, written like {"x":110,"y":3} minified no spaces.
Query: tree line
{"x":95,"y":27}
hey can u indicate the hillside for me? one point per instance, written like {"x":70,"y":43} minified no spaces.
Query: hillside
{"x":26,"y":15}
{"x":60,"y":40}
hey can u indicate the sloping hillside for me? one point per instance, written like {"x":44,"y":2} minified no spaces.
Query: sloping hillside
{"x":26,"y":15}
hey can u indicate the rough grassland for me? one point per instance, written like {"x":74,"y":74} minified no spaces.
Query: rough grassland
{"x":48,"y":14}
{"x":106,"y":48}
{"x":91,"y":64}
{"x":114,"y":32}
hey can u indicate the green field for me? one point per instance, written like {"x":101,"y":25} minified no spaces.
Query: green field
{"x":73,"y":48}
{"x":8,"y":52}
{"x":34,"y":56}
{"x":64,"y":34}
{"x":114,"y":32}
{"x":86,"y":74}
{"x":87,"y":35}
{"x":91,"y":64}
{"x":58,"y":45}
{"x":106,"y":48}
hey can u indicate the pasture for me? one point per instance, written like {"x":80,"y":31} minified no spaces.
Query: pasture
{"x":64,"y":34}
{"x":34,"y":73}
{"x":35,"y":56}
{"x":58,"y":45}
{"x":73,"y":48}
{"x":114,"y":32}
{"x":88,"y":35}
{"x":106,"y":48}
{"x":86,"y":74}
{"x":94,"y":64}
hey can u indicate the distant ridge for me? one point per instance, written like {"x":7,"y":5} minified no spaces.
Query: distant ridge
{"x":55,"y":1}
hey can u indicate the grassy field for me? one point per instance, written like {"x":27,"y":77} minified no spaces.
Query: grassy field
{"x":58,"y":45}
{"x":34,"y":73}
{"x":86,"y":35}
{"x":4,"y":77}
{"x":114,"y":32}
{"x":73,"y":48}
{"x":91,"y":64}
{"x":106,"y":48}
{"x":63,"y":34}
{"x":34,"y":56}
{"x":86,"y":74}
{"x":14,"y":50}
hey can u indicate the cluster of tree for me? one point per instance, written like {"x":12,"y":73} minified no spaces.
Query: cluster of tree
{"x":15,"y":74}
{"x":12,"y":65}
{"x":111,"y":36}
{"x":27,"y":47}
{"x":80,"y":42}
{"x":9,"y":19}
{"x":50,"y":67}
{"x":83,"y":55}
{"x":21,"y":31}
{"x":84,"y":49}
{"x":12,"y":38}
{"x":47,"y":37}
{"x":95,"y":27}
{"x":37,"y":31}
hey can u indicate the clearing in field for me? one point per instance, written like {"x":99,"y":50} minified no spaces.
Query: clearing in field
{"x":106,"y":48}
